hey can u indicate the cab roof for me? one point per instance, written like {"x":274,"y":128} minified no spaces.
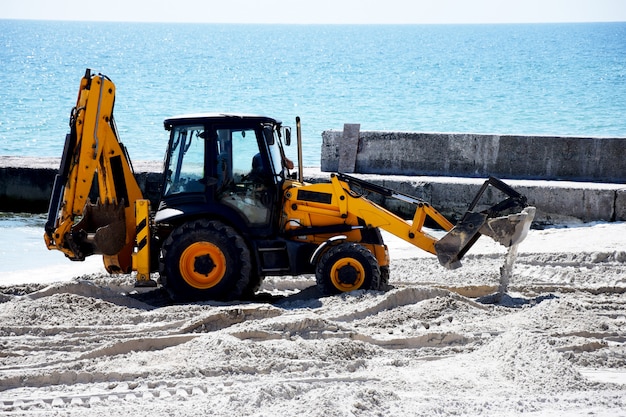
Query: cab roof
{"x":204,"y":118}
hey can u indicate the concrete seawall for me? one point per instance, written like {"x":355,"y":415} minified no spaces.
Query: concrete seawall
{"x":474,"y":155}
{"x":26,"y":184}
{"x":566,"y":178}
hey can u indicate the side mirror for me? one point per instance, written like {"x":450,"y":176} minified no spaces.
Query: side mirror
{"x":287,"y":135}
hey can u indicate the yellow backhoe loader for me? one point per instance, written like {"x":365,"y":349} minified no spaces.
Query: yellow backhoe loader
{"x":232,"y":213}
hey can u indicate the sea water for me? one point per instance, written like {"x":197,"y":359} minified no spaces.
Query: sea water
{"x":549,"y":79}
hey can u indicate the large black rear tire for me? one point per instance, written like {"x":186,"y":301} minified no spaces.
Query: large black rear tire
{"x":347,"y":267}
{"x":205,"y":260}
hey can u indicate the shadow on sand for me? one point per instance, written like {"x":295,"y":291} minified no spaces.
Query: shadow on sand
{"x":506,"y":300}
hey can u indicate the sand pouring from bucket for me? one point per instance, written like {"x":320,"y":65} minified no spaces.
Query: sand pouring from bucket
{"x":507,"y":223}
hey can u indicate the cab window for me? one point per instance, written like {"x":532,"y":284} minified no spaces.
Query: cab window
{"x":243,"y":180}
{"x":185,"y":161}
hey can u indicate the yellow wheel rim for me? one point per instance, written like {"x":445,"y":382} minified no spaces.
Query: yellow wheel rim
{"x":202,"y":265}
{"x":347,"y":274}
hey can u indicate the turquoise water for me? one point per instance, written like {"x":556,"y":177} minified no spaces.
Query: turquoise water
{"x":26,"y":258}
{"x":555,"y":79}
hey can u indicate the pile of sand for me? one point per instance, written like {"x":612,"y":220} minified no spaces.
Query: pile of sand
{"x":430,"y":346}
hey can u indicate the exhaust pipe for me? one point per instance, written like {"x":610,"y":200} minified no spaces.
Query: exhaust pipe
{"x":299,"y":138}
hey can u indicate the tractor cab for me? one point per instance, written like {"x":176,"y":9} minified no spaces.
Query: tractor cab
{"x":229,"y":166}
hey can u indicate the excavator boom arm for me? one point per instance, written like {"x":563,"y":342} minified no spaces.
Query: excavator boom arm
{"x":76,"y":225}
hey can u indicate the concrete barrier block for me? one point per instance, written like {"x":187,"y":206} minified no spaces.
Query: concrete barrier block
{"x":557,"y":203}
{"x":479,"y":155}
{"x":329,"y":161}
{"x":348,"y":147}
{"x":25,"y":190}
{"x":620,"y":205}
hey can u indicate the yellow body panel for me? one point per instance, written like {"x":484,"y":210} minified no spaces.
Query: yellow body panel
{"x":334,"y":203}
{"x":141,"y":257}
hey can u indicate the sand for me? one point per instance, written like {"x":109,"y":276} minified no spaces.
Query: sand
{"x":554,"y":344}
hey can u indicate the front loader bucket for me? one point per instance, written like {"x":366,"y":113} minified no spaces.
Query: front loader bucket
{"x":507,"y":223}
{"x":451,"y":248}
{"x":507,"y":230}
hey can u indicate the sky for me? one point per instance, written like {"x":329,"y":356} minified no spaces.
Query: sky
{"x":319,"y":11}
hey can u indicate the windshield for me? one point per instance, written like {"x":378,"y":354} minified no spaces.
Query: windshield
{"x":185,"y":160}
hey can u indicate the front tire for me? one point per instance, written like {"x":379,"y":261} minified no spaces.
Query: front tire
{"x":347,"y":267}
{"x":205,"y":260}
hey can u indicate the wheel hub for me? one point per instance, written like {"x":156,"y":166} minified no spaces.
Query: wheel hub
{"x":347,"y":274}
{"x":202,"y":265}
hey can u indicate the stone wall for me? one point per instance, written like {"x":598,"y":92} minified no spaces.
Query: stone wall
{"x":444,"y":170}
{"x":477,"y":156}
{"x":26,"y":183}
